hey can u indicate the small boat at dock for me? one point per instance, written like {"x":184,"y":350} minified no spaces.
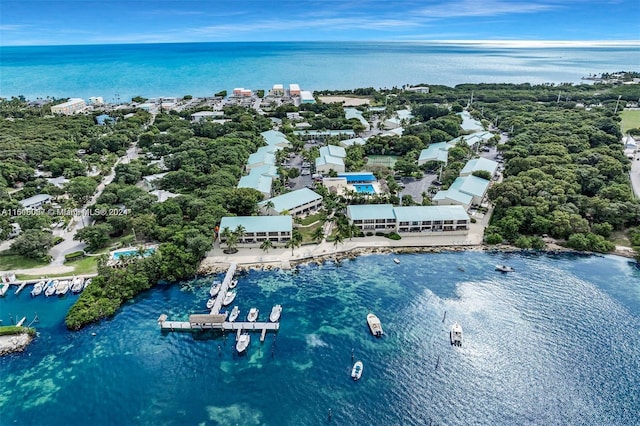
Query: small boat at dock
{"x":375,"y":325}
{"x":229,"y":298}
{"x":77,"y":285}
{"x":4,"y":289}
{"x":233,"y":283}
{"x":211,"y":302}
{"x":62,"y":288}
{"x":276,"y":311}
{"x":253,"y":315}
{"x":395,"y":259}
{"x":37,"y":288}
{"x":356,"y":371}
{"x":243,"y":342}
{"x":86,"y":283}
{"x":504,"y":268}
{"x":215,"y":288}
{"x":234,"y":314}
{"x":51,"y":287}
{"x":456,"y":334}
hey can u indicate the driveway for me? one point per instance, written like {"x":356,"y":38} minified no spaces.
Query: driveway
{"x":415,"y":187}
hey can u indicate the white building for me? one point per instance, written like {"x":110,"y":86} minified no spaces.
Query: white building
{"x":72,"y":106}
{"x":331,"y":158}
{"x":294,"y":89}
{"x":418,"y":220}
{"x":96,"y":100}
{"x":205,"y":115}
{"x":258,"y":228}
{"x":277,"y":90}
{"x":36,"y":201}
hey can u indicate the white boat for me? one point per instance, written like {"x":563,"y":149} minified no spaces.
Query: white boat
{"x":211,"y":302}
{"x":86,"y":283}
{"x":253,"y":315}
{"x":77,"y":285}
{"x":395,"y":259}
{"x":51,"y":287}
{"x":374,"y":325}
{"x":228,"y":298}
{"x":275,"y":313}
{"x":356,"y":371}
{"x":62,"y":288}
{"x":456,"y":334}
{"x":504,"y":268}
{"x":243,"y":342}
{"x":37,"y":288}
{"x":234,"y":314}
{"x":233,"y":283}
{"x":215,"y":288}
{"x":4,"y":289}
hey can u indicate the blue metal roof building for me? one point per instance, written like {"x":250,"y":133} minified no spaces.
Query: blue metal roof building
{"x":358,"y":177}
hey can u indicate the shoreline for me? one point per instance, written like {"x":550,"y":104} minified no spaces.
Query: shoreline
{"x":209,"y":266}
{"x":14,"y":343}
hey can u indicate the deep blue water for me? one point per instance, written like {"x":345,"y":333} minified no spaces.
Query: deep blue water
{"x":119,"y":72}
{"x":556,"y":342}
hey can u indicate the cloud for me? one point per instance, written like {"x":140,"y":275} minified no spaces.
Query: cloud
{"x":13,"y":27}
{"x":471,"y":8}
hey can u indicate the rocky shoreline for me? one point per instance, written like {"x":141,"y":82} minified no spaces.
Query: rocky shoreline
{"x":339,"y":256}
{"x":14,"y":343}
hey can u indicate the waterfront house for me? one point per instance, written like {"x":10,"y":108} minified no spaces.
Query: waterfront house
{"x":431,"y":219}
{"x":69,"y":107}
{"x":299,"y":202}
{"x":372,"y":217}
{"x":294,"y":89}
{"x":277,"y":229}
{"x":277,"y":90}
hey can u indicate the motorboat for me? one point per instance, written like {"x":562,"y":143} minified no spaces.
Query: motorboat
{"x":86,"y":283}
{"x":37,"y":288}
{"x":51,"y":287}
{"x":374,"y":325}
{"x":228,"y":298}
{"x":233,"y":283}
{"x":253,"y":315}
{"x":62,"y":288}
{"x":234,"y":314}
{"x":275,"y":313}
{"x":456,"y":334}
{"x":4,"y":289}
{"x":211,"y":302}
{"x":77,"y":285}
{"x":215,"y":288}
{"x":504,"y":268}
{"x":395,"y":259}
{"x":356,"y":371}
{"x":243,"y":342}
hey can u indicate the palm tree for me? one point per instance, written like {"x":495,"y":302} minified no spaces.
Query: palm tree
{"x":268,"y":205}
{"x":266,"y":245}
{"x":240,"y":231}
{"x":231,"y":238}
{"x":318,"y":234}
{"x":339,"y":239}
{"x":295,"y":241}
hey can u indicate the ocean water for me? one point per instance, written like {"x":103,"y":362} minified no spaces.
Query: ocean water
{"x":119,"y":72}
{"x":555,"y":342}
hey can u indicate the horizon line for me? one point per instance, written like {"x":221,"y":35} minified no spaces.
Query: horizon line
{"x":507,"y":43}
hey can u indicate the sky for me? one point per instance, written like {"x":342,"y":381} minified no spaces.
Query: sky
{"x":51,"y":22}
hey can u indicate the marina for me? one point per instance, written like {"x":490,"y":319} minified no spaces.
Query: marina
{"x":40,"y":284}
{"x":215,"y":320}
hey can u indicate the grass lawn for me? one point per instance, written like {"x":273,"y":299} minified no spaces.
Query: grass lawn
{"x":307,"y":232}
{"x":313,"y":218}
{"x":86,"y":265}
{"x":630,"y":120}
{"x":10,"y":261}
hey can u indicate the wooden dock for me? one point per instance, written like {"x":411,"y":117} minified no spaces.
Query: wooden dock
{"x":215,"y":321}
{"x":239,"y":327}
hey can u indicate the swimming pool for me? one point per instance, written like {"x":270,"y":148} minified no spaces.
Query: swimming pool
{"x":118,"y":254}
{"x":365,"y":189}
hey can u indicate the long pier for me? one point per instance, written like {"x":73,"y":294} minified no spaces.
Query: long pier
{"x":214,"y":320}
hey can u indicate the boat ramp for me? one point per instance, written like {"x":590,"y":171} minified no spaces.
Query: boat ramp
{"x":216,"y":321}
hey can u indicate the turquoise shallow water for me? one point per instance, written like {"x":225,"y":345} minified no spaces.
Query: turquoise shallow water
{"x":119,"y":72}
{"x":553,"y":343}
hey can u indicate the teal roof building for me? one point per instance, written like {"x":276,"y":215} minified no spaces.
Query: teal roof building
{"x":301,"y":201}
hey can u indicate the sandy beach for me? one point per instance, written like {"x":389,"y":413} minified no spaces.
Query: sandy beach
{"x":345,"y":100}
